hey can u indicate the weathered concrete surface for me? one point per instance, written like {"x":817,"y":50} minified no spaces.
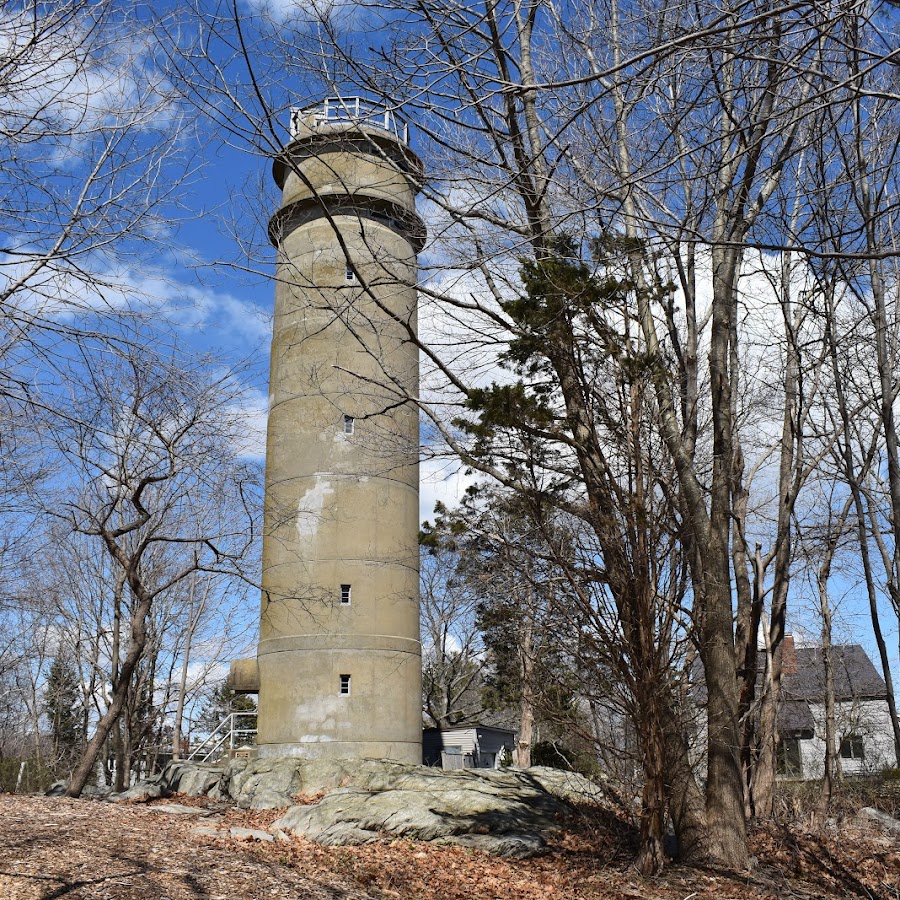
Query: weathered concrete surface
{"x":341,"y":503}
{"x":243,"y":676}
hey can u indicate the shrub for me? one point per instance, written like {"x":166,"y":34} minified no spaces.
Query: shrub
{"x":35,"y":777}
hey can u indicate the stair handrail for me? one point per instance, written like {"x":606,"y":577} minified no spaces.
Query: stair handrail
{"x":214,"y":741}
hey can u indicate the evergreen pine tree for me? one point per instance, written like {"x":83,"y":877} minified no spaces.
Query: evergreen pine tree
{"x":63,"y":708}
{"x":222,"y":701}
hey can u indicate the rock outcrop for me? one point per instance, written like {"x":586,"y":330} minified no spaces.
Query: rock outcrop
{"x":508,"y":812}
{"x":882,"y":819}
{"x":142,"y":792}
{"x":194,"y":779}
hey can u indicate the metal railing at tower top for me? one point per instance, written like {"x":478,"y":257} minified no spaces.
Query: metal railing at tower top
{"x":350,"y":109}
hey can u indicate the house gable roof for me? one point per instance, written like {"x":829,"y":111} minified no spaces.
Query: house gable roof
{"x":855,"y":678}
{"x":803,"y":680}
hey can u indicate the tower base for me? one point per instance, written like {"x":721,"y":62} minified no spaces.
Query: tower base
{"x":395,"y":751}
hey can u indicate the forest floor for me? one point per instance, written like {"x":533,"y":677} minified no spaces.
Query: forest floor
{"x":61,"y":848}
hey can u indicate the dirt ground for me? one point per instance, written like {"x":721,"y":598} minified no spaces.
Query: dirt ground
{"x":55,"y":847}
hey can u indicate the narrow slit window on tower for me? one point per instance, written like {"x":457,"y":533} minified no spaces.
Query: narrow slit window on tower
{"x":349,"y":424}
{"x":345,"y":594}
{"x":345,"y":685}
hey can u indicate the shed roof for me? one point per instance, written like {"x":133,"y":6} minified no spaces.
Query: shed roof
{"x":795,"y":719}
{"x":471,"y":726}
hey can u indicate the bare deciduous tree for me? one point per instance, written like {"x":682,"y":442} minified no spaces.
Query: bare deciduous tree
{"x":451,"y":646}
{"x":149,"y":454}
{"x":87,"y":168}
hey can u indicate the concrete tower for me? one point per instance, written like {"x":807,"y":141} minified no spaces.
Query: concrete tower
{"x":339,"y":660}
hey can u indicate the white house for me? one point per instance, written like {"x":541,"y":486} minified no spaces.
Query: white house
{"x":862,"y":716}
{"x":864,"y":734}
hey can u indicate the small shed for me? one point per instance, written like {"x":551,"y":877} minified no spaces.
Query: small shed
{"x":466,"y":746}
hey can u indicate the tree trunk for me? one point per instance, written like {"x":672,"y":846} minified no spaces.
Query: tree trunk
{"x":724,"y":786}
{"x":179,"y":707}
{"x":86,"y":765}
{"x":886,"y":376}
{"x":685,"y":799}
{"x":788,"y":487}
{"x":119,"y":694}
{"x":127,"y":732}
{"x":706,"y":533}
{"x":763,"y":778}
{"x":526,"y":703}
{"x":650,"y":698}
{"x":880,"y":641}
{"x":182,"y":684}
{"x":117,"y":733}
{"x":746,"y":637}
{"x":727,"y":834}
{"x":832,"y":757}
{"x":747,"y":617}
{"x":119,"y":752}
{"x":854,"y":480}
{"x":651,"y":855}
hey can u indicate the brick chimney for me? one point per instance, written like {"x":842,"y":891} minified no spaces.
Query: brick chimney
{"x":788,"y":656}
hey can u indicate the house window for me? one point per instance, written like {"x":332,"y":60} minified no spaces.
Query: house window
{"x":789,"y":758}
{"x":349,"y":275}
{"x":345,"y":685}
{"x":349,"y":424}
{"x":852,"y":747}
{"x":345,"y":594}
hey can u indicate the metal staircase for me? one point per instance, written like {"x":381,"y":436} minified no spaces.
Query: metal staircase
{"x":232,"y":733}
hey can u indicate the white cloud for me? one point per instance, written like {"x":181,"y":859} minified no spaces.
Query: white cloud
{"x":55,"y":295}
{"x":68,"y":78}
{"x":441,"y":479}
{"x":306,"y":12}
{"x":211,"y":310}
{"x":254,"y":415}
